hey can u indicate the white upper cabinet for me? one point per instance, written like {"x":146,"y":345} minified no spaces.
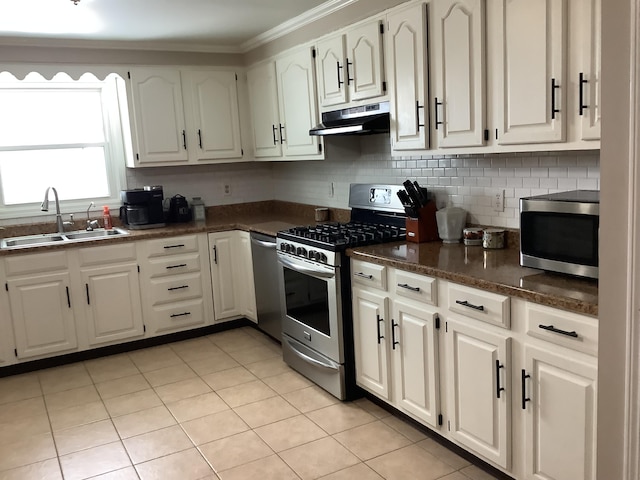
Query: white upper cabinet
{"x":458,"y":72}
{"x":589,"y":99}
{"x":296,"y":83}
{"x":215,"y":117}
{"x":407,"y":54}
{"x":184,"y":116}
{"x":158,"y":116}
{"x":529,"y":67}
{"x":332,"y":71}
{"x":350,"y":65}
{"x":265,"y":119}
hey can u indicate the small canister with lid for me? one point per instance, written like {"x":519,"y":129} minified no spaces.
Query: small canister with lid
{"x":472,"y":236}
{"x":493,"y":238}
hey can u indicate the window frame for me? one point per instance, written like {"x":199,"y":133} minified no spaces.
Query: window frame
{"x":117,"y":143}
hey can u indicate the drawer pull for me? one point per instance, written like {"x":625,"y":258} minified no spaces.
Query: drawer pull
{"x":180,"y":314}
{"x":525,"y":399}
{"x":380,"y":337}
{"x":553,"y":329}
{"x":409,"y":287}
{"x":464,"y":303}
{"x":176,"y":266}
{"x":174,"y":246}
{"x":363,"y":275}
{"x":498,"y":387}
{"x":177,"y":288}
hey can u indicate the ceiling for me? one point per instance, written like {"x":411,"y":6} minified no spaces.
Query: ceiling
{"x":190,"y":25}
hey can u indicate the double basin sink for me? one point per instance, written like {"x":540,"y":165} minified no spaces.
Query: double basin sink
{"x":60,"y":238}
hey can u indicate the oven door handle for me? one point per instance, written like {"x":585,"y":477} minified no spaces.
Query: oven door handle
{"x":305,"y":270}
{"x":262,"y":243}
{"x":313,"y":361}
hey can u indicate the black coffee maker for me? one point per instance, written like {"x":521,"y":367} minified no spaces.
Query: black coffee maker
{"x":142,"y":207}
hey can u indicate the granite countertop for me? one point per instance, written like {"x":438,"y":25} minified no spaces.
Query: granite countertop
{"x":496,"y":271}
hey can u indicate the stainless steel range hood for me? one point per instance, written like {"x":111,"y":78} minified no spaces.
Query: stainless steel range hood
{"x":360,"y":120}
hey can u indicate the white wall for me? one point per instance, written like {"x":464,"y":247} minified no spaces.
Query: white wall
{"x":468,"y":181}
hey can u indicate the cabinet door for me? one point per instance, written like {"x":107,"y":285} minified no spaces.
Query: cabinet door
{"x":370,"y":321}
{"x":265,"y":120}
{"x":297,"y":102}
{"x":364,"y":61}
{"x":407,"y":54}
{"x":226,"y":301}
{"x":42,"y":314}
{"x":246,"y":282}
{"x":560,"y":430}
{"x":589,"y":81}
{"x":216,"y":118}
{"x":158,"y":115}
{"x":478,"y":378}
{"x":415,"y":359}
{"x":530,"y":71}
{"x":459,"y":77}
{"x":332,"y":71}
{"x":112,"y":305}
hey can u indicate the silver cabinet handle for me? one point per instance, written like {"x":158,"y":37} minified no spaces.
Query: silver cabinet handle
{"x":363,"y":275}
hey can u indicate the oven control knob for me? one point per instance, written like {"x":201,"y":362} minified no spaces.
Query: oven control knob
{"x":283,"y":247}
{"x":287,"y":247}
{"x":301,"y":251}
{"x":323,"y":258}
{"x":311,"y":254}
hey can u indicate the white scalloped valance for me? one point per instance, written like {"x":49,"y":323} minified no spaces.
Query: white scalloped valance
{"x":75,"y":72}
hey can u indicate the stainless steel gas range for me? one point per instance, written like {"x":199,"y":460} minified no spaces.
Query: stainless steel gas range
{"x":314,"y":273}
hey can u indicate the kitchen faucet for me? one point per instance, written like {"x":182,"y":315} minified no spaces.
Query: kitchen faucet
{"x":45,"y":208}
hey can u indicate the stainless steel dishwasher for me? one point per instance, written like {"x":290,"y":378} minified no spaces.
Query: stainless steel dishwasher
{"x":265,"y":274}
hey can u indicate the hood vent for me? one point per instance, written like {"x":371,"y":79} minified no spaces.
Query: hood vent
{"x":361,"y":120}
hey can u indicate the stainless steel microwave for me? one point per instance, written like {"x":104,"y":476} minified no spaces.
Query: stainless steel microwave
{"x":559,"y":232}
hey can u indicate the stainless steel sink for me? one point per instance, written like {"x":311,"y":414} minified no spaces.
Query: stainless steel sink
{"x":57,"y":238}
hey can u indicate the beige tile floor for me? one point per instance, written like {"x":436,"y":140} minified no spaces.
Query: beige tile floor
{"x":223,"y":406}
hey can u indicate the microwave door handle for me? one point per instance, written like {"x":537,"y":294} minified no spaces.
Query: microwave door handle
{"x":305,"y":270}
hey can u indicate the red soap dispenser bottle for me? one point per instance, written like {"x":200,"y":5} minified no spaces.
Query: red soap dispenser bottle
{"x":106,"y":218}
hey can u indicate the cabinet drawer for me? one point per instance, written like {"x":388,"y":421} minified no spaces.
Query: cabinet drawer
{"x":562,"y":328}
{"x":485,"y":306}
{"x":179,"y":315}
{"x":416,"y":286}
{"x":370,"y":274}
{"x":36,"y":263}
{"x":178,"y":287}
{"x":172,"y":246}
{"x":174,"y":265}
{"x":124,"y":252}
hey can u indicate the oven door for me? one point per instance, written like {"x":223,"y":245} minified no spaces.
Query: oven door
{"x":312,"y":305}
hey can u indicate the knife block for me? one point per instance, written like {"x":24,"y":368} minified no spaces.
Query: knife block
{"x":424,"y":228}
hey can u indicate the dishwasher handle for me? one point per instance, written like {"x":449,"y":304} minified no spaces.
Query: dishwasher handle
{"x":262,"y":243}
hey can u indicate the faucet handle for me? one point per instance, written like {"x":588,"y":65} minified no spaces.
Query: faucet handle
{"x":70,"y":223}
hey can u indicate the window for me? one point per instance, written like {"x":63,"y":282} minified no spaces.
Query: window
{"x":61,"y":133}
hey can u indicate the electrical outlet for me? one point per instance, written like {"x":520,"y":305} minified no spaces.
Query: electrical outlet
{"x":498,"y":201}
{"x":227,"y":190}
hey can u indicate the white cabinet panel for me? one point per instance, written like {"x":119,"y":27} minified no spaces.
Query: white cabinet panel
{"x":479,"y":390}
{"x":416,"y":361}
{"x":42,"y":314}
{"x":590,"y":70}
{"x":560,"y":402}
{"x":369,"y":324}
{"x":364,"y":61}
{"x":332,"y":71}
{"x":407,"y":54}
{"x":216,"y":121}
{"x":530,"y":71}
{"x":112,"y":310}
{"x":159,"y":115}
{"x":458,"y":72}
{"x":265,"y":118}
{"x":297,"y":101}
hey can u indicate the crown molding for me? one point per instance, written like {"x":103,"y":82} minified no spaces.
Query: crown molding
{"x":327,"y":8}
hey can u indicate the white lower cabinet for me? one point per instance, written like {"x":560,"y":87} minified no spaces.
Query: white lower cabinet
{"x":232,"y":275}
{"x":518,"y":382}
{"x":175,"y":284}
{"x":396,"y":346}
{"x":479,"y":389}
{"x":39,"y":296}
